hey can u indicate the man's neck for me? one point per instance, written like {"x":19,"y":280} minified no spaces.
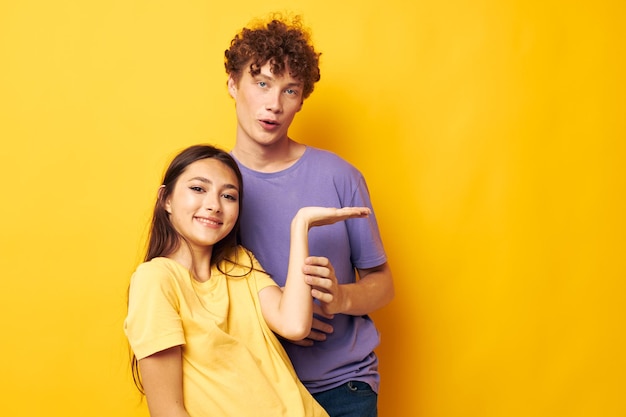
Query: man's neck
{"x":273,"y":158}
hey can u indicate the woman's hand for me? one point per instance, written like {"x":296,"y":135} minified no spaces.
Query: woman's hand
{"x":321,"y":216}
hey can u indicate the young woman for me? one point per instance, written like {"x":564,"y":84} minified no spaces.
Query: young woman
{"x":202,"y":313}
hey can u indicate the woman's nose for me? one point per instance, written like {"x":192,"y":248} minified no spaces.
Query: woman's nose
{"x":212,"y":204}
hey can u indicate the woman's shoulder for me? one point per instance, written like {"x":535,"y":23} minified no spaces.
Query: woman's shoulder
{"x":240,"y":262}
{"x":239,"y":257}
{"x":158,"y":269}
{"x":160,"y":263}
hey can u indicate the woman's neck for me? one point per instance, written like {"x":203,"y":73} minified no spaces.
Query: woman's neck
{"x":197,"y":262}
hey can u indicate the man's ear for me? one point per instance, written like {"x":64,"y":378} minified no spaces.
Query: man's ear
{"x":232,"y":87}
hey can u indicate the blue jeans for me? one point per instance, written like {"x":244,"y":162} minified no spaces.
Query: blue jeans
{"x":352,"y":399}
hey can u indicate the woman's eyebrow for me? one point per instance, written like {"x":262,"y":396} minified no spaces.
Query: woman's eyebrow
{"x":201,"y":179}
{"x":208,"y":181}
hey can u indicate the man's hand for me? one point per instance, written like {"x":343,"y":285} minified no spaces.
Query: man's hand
{"x":319,"y":328}
{"x":373,"y":290}
{"x":320,"y":275}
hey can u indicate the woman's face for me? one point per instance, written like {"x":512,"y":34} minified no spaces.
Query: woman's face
{"x":204,"y":204}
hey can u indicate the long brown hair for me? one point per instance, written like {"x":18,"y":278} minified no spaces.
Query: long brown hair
{"x":163,"y":238}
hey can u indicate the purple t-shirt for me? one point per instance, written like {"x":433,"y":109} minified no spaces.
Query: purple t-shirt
{"x":270,"y":200}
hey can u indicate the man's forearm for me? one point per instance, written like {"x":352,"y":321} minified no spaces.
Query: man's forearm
{"x":373,"y":290}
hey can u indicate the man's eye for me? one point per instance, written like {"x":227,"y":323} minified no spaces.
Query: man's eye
{"x":262,"y":84}
{"x":291,"y":91}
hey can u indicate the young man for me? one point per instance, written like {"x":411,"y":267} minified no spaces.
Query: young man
{"x":272,"y":67}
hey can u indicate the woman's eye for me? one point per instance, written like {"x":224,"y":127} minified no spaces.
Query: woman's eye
{"x":196,"y":188}
{"x":230,"y":197}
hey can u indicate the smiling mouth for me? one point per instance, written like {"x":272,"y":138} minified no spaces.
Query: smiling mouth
{"x":210,"y":222}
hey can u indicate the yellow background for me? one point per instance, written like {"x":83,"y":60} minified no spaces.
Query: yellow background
{"x":492,"y":135}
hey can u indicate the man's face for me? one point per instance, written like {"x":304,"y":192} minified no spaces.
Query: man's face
{"x":266,"y":105}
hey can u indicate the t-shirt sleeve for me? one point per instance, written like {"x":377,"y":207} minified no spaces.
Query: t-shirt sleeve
{"x":366,"y":245}
{"x":153,"y":322}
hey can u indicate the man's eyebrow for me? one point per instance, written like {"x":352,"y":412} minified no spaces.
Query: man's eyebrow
{"x":269,"y":78}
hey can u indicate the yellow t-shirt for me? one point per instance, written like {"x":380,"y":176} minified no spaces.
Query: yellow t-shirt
{"x":233,"y":364}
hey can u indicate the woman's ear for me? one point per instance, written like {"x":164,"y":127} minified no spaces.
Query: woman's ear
{"x":166,"y":204}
